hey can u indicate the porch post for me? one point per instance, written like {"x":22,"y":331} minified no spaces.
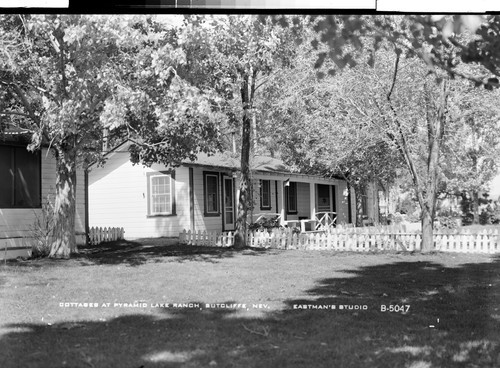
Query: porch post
{"x":191,"y":200}
{"x":281,"y":201}
{"x":312,"y":201}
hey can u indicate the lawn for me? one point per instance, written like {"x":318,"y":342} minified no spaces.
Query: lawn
{"x":156,"y":304}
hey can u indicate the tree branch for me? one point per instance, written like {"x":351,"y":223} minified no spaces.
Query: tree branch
{"x":402,"y":144}
{"x":19,"y":92}
{"x":14,"y":113}
{"x":394,"y":78}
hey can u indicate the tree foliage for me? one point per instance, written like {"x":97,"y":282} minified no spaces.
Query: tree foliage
{"x":471,"y":154}
{"x":405,"y":68}
{"x":70,"y":80}
{"x":323,"y":126}
{"x":235,"y":55}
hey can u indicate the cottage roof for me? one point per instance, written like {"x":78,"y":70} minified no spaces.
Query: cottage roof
{"x":15,"y":134}
{"x":232,"y":161}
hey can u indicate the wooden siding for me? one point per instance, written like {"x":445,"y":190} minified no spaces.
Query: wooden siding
{"x":118,"y":198}
{"x":15,"y":223}
{"x":256,"y":197}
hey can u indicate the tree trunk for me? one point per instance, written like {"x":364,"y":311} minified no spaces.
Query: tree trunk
{"x":240,"y":235}
{"x":427,"y":232}
{"x":427,"y":199}
{"x":475,"y":207}
{"x":359,"y":193}
{"x":64,"y":240}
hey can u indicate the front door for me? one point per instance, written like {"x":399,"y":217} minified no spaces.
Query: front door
{"x":228,"y":204}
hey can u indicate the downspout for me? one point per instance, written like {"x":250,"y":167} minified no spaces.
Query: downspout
{"x":349,"y":203}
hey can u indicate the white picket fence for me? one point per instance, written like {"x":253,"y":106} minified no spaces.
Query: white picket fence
{"x":206,"y":239}
{"x":468,"y":242}
{"x":98,"y":235}
{"x":352,"y":240}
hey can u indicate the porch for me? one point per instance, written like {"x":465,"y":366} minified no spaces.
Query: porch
{"x":307,"y":203}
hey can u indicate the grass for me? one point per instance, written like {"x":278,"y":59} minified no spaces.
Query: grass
{"x":459,"y":295}
{"x":475,"y":228}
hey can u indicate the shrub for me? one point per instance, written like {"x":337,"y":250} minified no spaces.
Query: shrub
{"x":396,"y":218}
{"x":265,"y":224}
{"x":407,"y":205}
{"x":42,"y":230}
{"x":490,"y":214}
{"x":415,"y":216}
{"x":467,"y":219}
{"x":448,"y":222}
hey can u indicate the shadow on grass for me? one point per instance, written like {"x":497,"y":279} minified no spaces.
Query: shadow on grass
{"x":136,"y":253}
{"x":453,"y":321}
{"x":139,"y":252}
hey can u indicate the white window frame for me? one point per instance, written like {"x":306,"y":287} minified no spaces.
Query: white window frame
{"x":217,"y":194}
{"x":264,"y":206}
{"x":151,"y":195}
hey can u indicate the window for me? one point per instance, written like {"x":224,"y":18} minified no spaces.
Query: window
{"x":265,"y":194}
{"x":20,"y":179}
{"x":161,"y":193}
{"x":291,"y":197}
{"x":211,"y":191}
{"x":323,"y":193}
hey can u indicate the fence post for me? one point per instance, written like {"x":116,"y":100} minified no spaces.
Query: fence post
{"x":494,"y":241}
{"x":480,"y":241}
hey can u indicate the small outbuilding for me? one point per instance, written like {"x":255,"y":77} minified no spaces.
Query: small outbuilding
{"x":27,"y":179}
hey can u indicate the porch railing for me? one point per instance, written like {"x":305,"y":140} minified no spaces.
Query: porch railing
{"x":277,"y":217}
{"x":322,"y":220}
{"x":267,"y":216}
{"x":325,"y":220}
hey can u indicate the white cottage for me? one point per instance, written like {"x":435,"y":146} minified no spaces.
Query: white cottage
{"x":201,"y":195}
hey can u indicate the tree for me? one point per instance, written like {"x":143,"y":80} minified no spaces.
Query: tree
{"x":67,"y":79}
{"x":322,"y":127}
{"x":53,"y":87}
{"x":391,"y":94}
{"x":411,"y":114}
{"x":348,"y":36}
{"x":235,"y":55}
{"x":471,"y":153}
